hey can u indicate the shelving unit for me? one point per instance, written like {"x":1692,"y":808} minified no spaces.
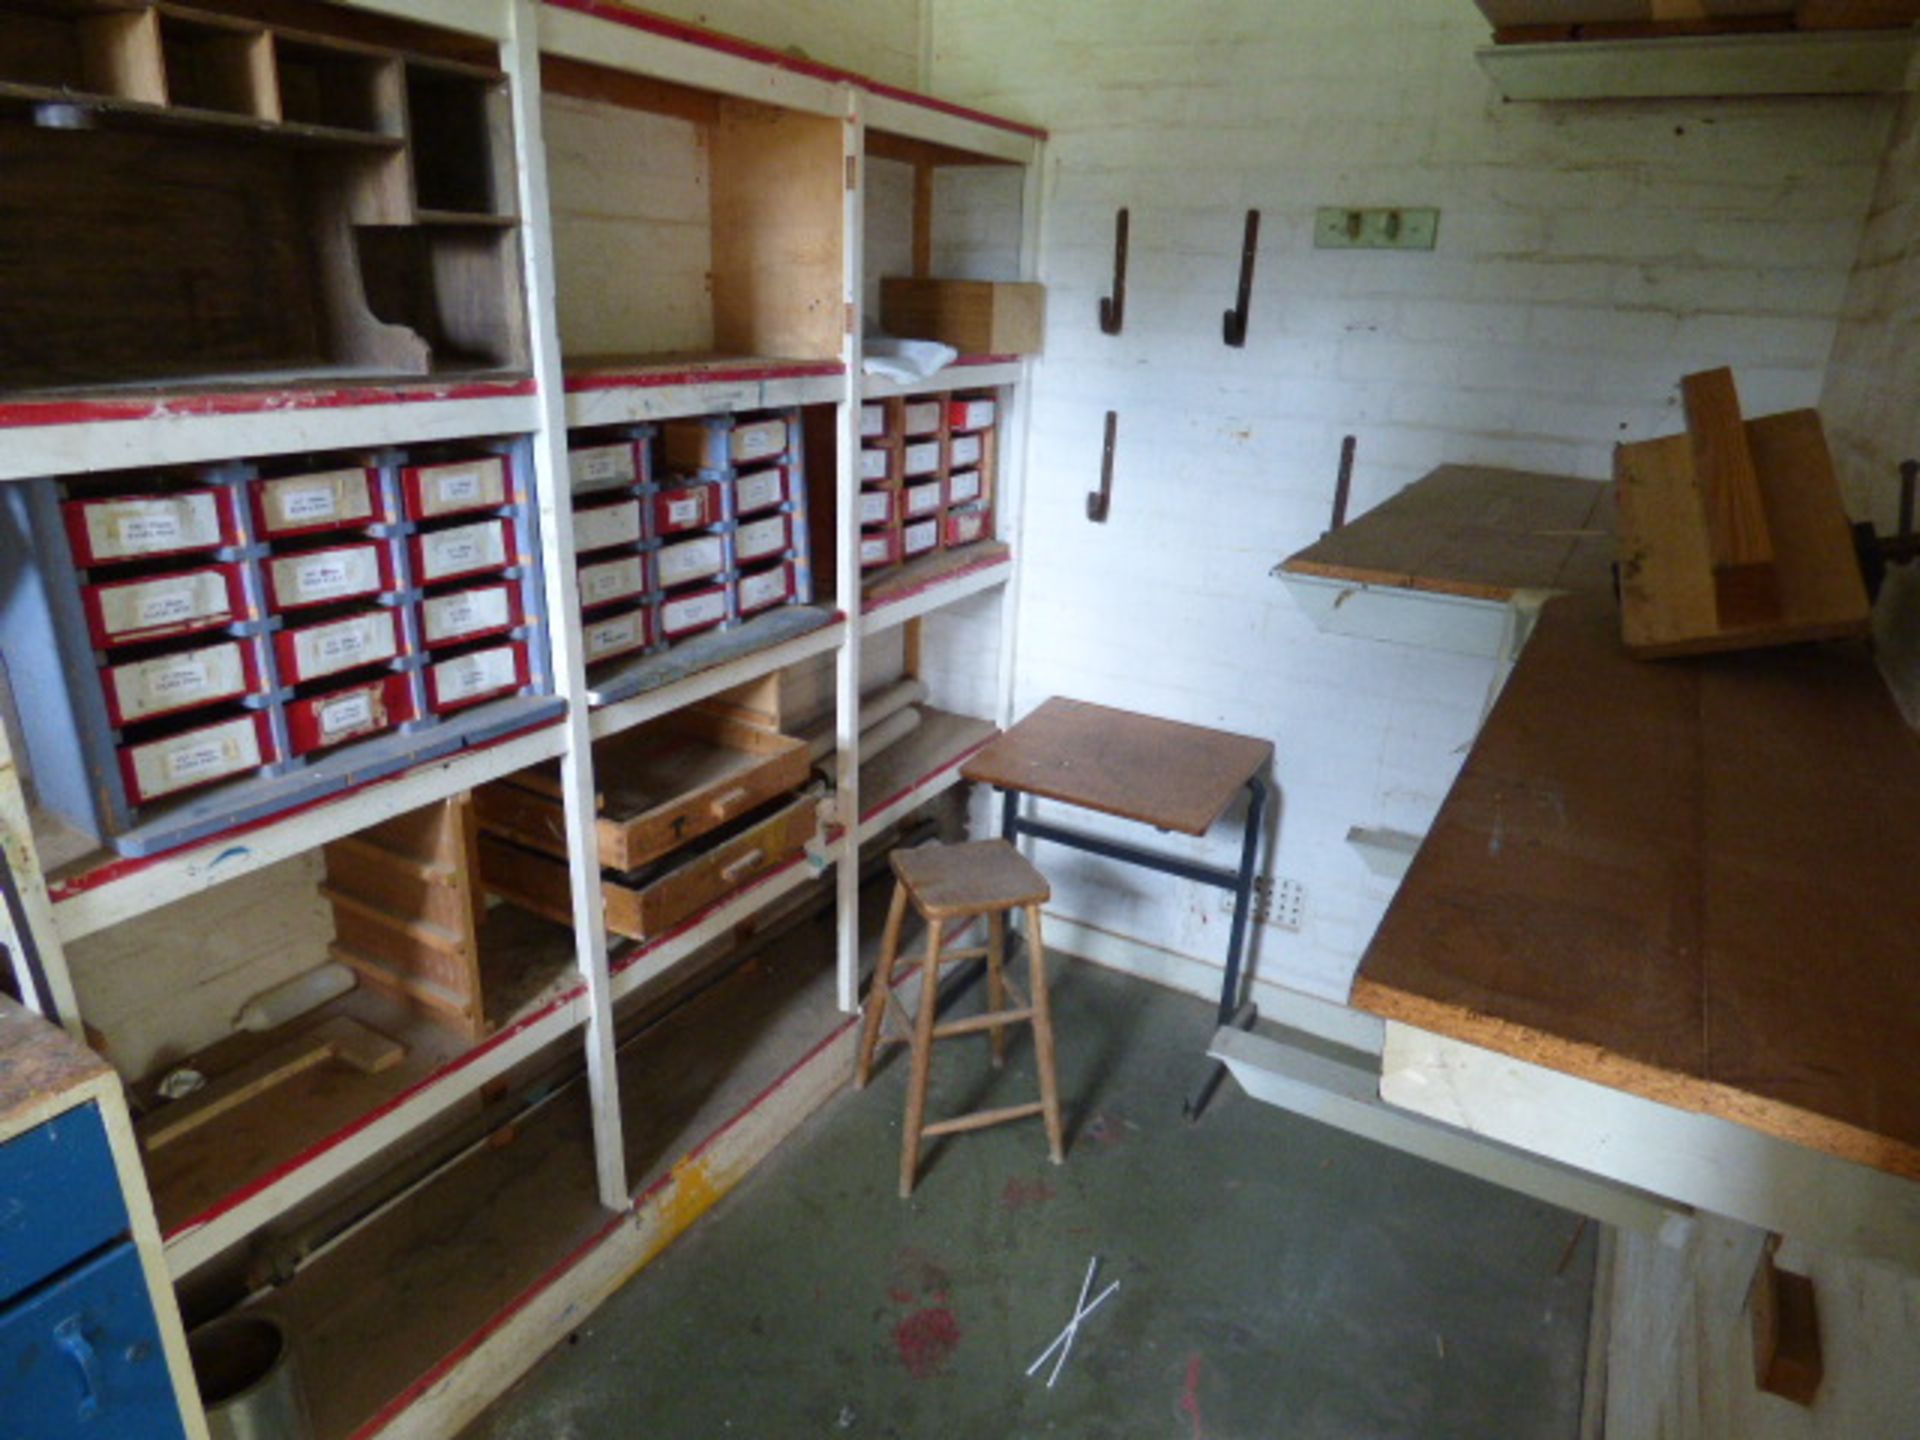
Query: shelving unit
{"x":439,"y":148}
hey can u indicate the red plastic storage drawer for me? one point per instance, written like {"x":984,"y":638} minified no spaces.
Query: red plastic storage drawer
{"x":693,"y":611}
{"x":688,"y":507}
{"x":767,"y":588}
{"x":370,"y":638}
{"x":873,"y":420}
{"x":322,"y":721}
{"x":922,"y":499}
{"x":762,"y":539}
{"x":456,"y":486}
{"x":325,"y":500}
{"x":165,"y":684}
{"x":966,"y":526}
{"x":965,"y":450}
{"x":604,"y":526}
{"x":158,"y":606}
{"x":920,"y":537}
{"x":689,"y":560}
{"x":470,"y":614}
{"x":156,"y":769}
{"x":963,"y":486}
{"x":879,"y":547}
{"x":878,"y":507}
{"x":600,"y":467}
{"x":475,"y":676}
{"x":922,"y":458}
{"x":463,"y":550}
{"x":759,"y":490}
{"x":620,"y":634}
{"x":876,"y":464}
{"x":326,"y":577}
{"x":109,"y":530}
{"x":920,"y":417}
{"x":612,"y":580}
{"x":970,"y":414}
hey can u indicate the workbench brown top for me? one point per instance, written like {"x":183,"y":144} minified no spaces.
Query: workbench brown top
{"x":1159,"y":772}
{"x":1694,"y":881}
{"x":1474,"y":531}
{"x":38,"y":1062}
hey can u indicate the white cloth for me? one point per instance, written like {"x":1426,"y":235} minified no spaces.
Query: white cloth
{"x":905,"y":360}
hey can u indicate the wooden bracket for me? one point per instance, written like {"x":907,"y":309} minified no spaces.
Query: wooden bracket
{"x":1786,"y":1330}
{"x":1234,"y":321}
{"x":1098,"y":501}
{"x":1113,"y":308}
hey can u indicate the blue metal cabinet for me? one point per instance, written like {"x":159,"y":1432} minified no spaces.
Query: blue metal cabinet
{"x":59,"y":1200}
{"x":80,"y":1357}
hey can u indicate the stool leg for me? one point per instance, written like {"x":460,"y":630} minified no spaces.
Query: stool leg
{"x":1043,"y":1035}
{"x":922,"y":1061}
{"x":882,"y":987}
{"x":997,"y":980}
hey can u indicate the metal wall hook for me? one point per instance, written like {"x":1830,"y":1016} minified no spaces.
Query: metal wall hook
{"x":1098,"y":501}
{"x":1343,"y":484}
{"x":1234,"y":321}
{"x":1113,"y":308}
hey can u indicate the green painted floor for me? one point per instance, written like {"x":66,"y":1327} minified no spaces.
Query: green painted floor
{"x":1278,"y":1279}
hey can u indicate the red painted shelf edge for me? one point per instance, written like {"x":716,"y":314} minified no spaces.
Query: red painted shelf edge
{"x":645,"y":379}
{"x":189,"y":405}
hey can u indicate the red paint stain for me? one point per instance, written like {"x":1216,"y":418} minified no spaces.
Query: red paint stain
{"x":1190,"y":1397}
{"x":1020,"y":1194}
{"x":925,"y":1340}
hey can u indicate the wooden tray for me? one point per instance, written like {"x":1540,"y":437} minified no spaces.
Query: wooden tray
{"x":661,"y":785}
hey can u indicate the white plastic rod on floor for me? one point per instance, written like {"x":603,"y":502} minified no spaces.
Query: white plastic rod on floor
{"x":1063,"y":1342}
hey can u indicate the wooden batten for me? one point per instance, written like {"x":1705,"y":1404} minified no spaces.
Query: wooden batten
{"x":1786,"y":1332}
{"x":407,"y":909}
{"x":120,"y":55}
{"x":1737,"y":533}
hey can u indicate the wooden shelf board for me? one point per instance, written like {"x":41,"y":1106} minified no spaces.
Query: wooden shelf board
{"x":686,"y":367}
{"x":1689,"y":881}
{"x":1474,"y":532}
{"x":613,"y":390}
{"x":969,"y":372}
{"x":932,"y":581}
{"x":109,"y":110}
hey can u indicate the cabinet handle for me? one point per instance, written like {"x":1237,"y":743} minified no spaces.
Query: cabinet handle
{"x":745,"y":865}
{"x":722,"y":804}
{"x":70,"y":1339}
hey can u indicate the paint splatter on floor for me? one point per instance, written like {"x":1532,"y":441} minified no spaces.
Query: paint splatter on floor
{"x":926,"y":1340}
{"x":1021,"y":1194}
{"x":1190,"y":1398}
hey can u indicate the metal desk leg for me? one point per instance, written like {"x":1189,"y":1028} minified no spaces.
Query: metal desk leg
{"x":1231,"y":1011}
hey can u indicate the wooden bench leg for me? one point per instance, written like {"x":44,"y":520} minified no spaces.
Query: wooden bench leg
{"x":1043,"y":1036}
{"x":922,"y":1061}
{"x":997,"y":980}
{"x":879,"y":993}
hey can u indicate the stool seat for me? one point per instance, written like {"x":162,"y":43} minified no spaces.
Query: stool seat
{"x":958,"y":882}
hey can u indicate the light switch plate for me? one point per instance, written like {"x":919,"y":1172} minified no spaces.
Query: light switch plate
{"x":1375,"y":228}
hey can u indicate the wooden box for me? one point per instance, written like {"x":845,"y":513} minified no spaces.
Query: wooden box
{"x":976,"y":317}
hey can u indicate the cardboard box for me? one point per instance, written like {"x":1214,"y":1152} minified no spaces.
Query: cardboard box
{"x":976,"y":317}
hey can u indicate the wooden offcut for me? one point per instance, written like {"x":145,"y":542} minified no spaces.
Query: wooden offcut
{"x":1737,"y":533}
{"x":976,"y":317}
{"x":1671,"y":595}
{"x":1786,"y":1332}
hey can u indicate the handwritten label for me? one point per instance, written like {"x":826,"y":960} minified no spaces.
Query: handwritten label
{"x":678,"y":616}
{"x":348,"y":714}
{"x":922,"y":459}
{"x":612,"y":581}
{"x":767,"y":588}
{"x":447,"y":617}
{"x":876,"y":507}
{"x":467,"y":548}
{"x":875,"y":550}
{"x":164,"y":606}
{"x":965,"y":450}
{"x":615,"y":636}
{"x":476,"y":674}
{"x":343,"y":644}
{"x":194,"y":758}
{"x":325,"y":575}
{"x":922,"y":499}
{"x":874,"y":463}
{"x":603,"y":465}
{"x":963,"y":487}
{"x":691,"y":560}
{"x":309,"y":502}
{"x":758,"y":490}
{"x":761,"y":538}
{"x":606,"y":525}
{"x":758,"y":440}
{"x":153,"y":687}
{"x":123,"y":529}
{"x":191,"y":760}
{"x":686,"y":510}
{"x":917,"y":538}
{"x":458,"y":487}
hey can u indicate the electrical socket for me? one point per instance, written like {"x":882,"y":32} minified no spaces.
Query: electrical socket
{"x":1279,"y":903}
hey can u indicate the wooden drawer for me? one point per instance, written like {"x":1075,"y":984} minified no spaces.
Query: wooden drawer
{"x":661,"y":785}
{"x":650,"y":901}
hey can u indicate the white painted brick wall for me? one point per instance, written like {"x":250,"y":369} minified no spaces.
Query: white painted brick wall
{"x":1589,"y":255}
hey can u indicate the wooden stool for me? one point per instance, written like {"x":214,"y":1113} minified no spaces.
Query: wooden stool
{"x":951,"y":884}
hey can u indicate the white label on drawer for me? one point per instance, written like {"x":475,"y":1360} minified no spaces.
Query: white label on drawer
{"x":922,"y":459}
{"x":923,"y":536}
{"x":972,"y":414}
{"x":121,"y":529}
{"x":923,"y":499}
{"x":873,"y":420}
{"x":447,"y":617}
{"x":617,"y":635}
{"x":347,"y":714}
{"x":875,"y":550}
{"x":200,"y":755}
{"x":606,"y":525}
{"x":343,"y":644}
{"x":758,"y":440}
{"x":759,"y":490}
{"x":876,"y":507}
{"x":922,"y":416}
{"x":325,"y":575}
{"x":687,"y":510}
{"x":297,"y":500}
{"x":462,"y":486}
{"x":692,"y":610}
{"x":963,"y":486}
{"x":874,"y":464}
{"x":613,"y":580}
{"x":297,"y":503}
{"x":759,"y":591}
{"x":476,"y":674}
{"x":691,"y":560}
{"x":603,"y":465}
{"x":152,"y":687}
{"x":761,"y":538}
{"x":965,"y":450}
{"x":464,"y":548}
{"x":174,"y":600}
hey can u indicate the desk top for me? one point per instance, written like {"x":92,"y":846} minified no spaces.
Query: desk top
{"x":1691,"y":881}
{"x":1474,"y":531}
{"x":1159,"y":772}
{"x":39,"y":1064}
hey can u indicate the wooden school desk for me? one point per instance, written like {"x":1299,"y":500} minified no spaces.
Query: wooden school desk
{"x":1174,"y":777}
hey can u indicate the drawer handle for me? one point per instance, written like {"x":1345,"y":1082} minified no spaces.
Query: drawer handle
{"x":745,"y":865}
{"x":723,"y":803}
{"x":67,"y":1336}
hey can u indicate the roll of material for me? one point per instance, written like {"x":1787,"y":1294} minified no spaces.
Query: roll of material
{"x":890,"y":731}
{"x":874,"y":709}
{"x":307,"y":991}
{"x":244,"y":1364}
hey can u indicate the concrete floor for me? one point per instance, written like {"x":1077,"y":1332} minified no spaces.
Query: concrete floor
{"x":1277,"y":1277}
